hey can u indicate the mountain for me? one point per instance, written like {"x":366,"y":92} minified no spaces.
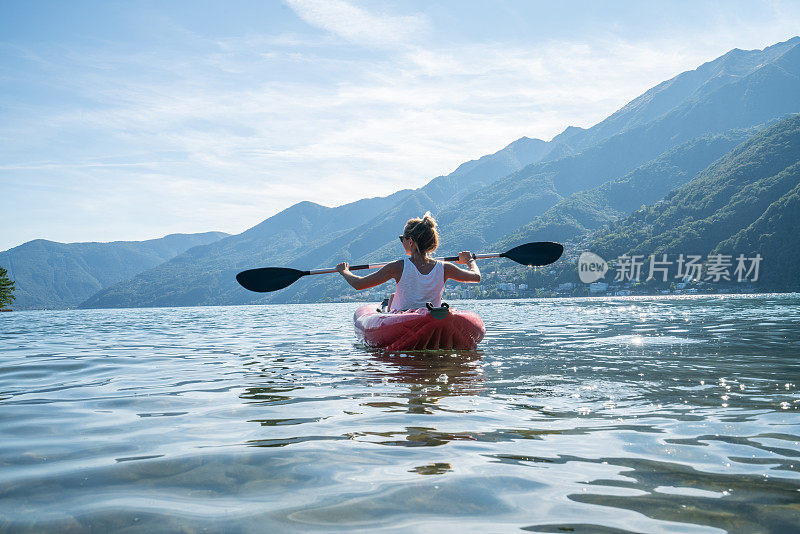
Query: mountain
{"x":765,"y":86}
{"x":774,"y":237}
{"x":770,"y":90}
{"x":61,"y":275}
{"x":670,"y":95}
{"x":587,"y":210}
{"x":486,"y":201}
{"x":206,"y":275}
{"x":745,"y":203}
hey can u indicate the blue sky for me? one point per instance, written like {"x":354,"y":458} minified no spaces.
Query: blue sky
{"x":135,"y":119}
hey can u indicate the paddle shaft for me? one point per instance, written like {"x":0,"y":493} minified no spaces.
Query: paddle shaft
{"x":266,"y":279}
{"x":379,"y":265}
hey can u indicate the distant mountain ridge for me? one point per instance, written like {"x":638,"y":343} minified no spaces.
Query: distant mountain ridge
{"x":487,"y":201}
{"x":51,"y":275}
{"x":669,"y":95}
{"x":207,"y":275}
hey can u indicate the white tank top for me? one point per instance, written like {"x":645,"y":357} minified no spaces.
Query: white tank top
{"x":415,"y":289}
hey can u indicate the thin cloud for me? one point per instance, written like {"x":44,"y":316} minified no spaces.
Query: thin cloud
{"x":359,"y":26}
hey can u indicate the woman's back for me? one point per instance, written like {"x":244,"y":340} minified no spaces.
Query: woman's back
{"x":415,"y":289}
{"x":416,"y":284}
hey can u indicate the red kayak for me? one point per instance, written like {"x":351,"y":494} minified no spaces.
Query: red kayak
{"x":418,"y":329}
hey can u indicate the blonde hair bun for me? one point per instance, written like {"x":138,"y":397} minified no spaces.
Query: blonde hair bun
{"x":424,"y":233}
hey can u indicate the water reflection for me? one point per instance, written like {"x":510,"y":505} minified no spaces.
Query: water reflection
{"x":270,"y":394}
{"x":438,"y":373}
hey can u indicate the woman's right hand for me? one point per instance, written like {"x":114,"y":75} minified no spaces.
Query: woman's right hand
{"x":465,"y":256}
{"x":342,"y":267}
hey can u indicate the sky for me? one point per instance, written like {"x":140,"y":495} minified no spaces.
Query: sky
{"x":126,"y":120}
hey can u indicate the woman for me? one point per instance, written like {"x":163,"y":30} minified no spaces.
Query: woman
{"x":420,"y":278}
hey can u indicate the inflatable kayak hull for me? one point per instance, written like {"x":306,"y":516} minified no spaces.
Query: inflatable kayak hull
{"x":418,"y":329}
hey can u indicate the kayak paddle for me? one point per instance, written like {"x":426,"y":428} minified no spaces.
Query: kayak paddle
{"x":267,"y":279}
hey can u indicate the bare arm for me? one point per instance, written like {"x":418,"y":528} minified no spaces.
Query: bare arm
{"x":384,"y":274}
{"x":469,"y":274}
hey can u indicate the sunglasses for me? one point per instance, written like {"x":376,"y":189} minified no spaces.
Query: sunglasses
{"x":401,"y":237}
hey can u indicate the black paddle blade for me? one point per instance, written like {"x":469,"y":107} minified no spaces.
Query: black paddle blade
{"x":535,"y":254}
{"x":268,"y":278}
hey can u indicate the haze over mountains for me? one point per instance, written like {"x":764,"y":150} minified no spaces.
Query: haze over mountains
{"x":565,"y":189}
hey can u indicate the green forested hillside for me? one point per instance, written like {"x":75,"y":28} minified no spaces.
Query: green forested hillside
{"x":774,"y":236}
{"x":745,"y":203}
{"x":60,"y":275}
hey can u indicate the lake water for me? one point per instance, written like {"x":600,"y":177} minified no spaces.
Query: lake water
{"x":575,"y":415}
